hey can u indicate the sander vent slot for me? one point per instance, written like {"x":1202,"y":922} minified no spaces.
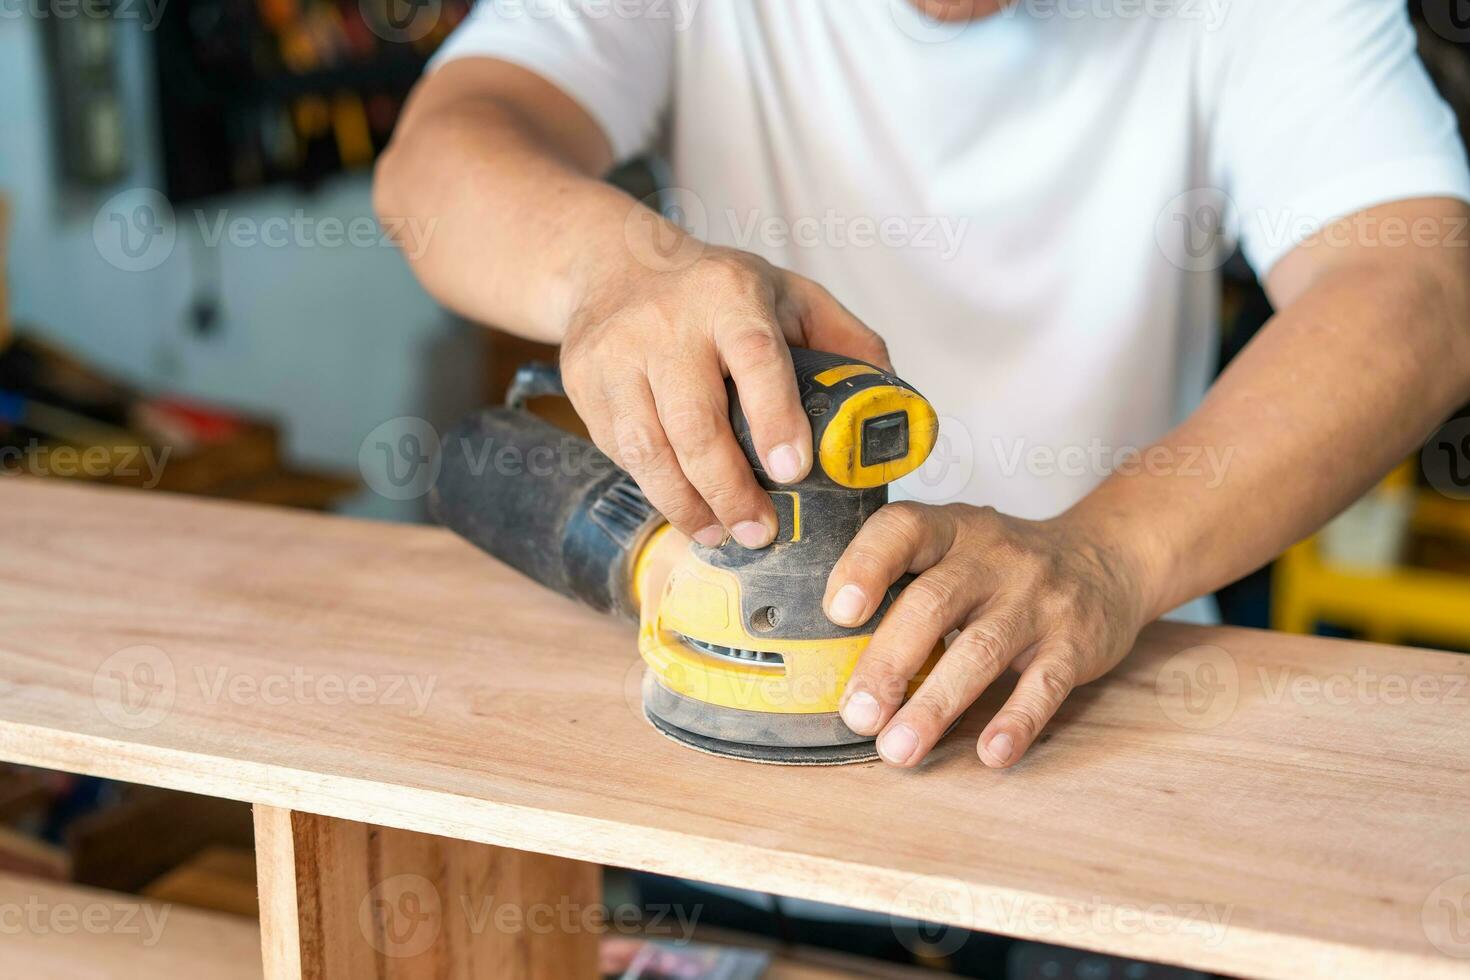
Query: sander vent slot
{"x":759,"y":658}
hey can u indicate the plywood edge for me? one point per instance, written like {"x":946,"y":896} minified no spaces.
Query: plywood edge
{"x":1247,"y":949}
{"x":275,"y":873}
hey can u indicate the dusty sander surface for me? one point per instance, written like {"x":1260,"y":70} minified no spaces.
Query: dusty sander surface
{"x":825,"y":755}
{"x":778,"y":740}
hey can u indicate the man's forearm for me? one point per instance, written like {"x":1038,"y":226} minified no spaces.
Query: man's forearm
{"x":520,"y":223}
{"x":1345,"y":381}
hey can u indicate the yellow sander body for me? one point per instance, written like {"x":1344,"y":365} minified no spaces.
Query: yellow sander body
{"x":741,"y":658}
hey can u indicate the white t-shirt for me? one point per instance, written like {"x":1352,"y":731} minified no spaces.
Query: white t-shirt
{"x":1001,"y":199}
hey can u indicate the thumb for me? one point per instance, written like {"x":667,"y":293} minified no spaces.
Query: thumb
{"x":828,"y":325}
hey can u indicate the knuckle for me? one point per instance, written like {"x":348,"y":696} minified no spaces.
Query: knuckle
{"x":1055,"y":681}
{"x":698,"y":424}
{"x":883,"y":676}
{"x":877,"y":346}
{"x":719,"y":266}
{"x":728,"y":497}
{"x":580,"y":374}
{"x":637,"y":446}
{"x":1029,"y":713}
{"x":983,"y":648}
{"x":931,"y":706}
{"x":925,"y":599}
{"x":1027,"y":717}
{"x":864,"y":564}
{"x":986,"y":517}
{"x":1063,"y":599}
{"x":904,"y":520}
{"x":753,"y":346}
{"x":682,"y":510}
{"x":726,"y":265}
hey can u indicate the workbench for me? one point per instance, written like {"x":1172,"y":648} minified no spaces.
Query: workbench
{"x":420,"y":729}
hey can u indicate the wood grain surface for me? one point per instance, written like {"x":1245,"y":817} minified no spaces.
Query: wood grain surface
{"x":1239,"y":801}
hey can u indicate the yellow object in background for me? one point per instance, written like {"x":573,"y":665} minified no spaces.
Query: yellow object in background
{"x":1388,"y":604}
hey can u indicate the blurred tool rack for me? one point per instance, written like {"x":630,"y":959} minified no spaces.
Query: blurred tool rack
{"x":285,"y":91}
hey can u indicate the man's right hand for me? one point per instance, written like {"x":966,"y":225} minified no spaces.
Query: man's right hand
{"x":644,"y":361}
{"x":501,"y":165}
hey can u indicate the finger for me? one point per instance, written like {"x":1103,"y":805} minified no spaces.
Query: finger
{"x":899,"y":538}
{"x":830,"y":326}
{"x":979,"y":654}
{"x":1042,"y":688}
{"x":626,"y":426}
{"x":696,"y":420}
{"x":933,"y":604}
{"x":759,"y":362}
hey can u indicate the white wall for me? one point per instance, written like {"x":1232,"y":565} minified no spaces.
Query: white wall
{"x":329,"y":341}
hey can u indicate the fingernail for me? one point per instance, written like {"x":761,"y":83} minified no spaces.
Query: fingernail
{"x":848,"y":604}
{"x":860,"y":713}
{"x":751,"y":534}
{"x":1001,"y":747}
{"x":898,"y":744}
{"x":784,"y":463}
{"x":711,"y":536}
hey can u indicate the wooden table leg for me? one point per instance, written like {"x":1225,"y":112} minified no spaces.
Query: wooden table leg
{"x":349,"y":900}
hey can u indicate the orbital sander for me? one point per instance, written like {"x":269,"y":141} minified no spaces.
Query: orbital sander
{"x":741,"y":660}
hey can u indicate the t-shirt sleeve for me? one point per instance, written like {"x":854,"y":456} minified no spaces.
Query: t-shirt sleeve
{"x":614,"y":59}
{"x":1324,"y":109}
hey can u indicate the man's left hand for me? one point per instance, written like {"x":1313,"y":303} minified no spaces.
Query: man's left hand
{"x":1056,"y":602}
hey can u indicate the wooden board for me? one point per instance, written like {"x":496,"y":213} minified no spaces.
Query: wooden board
{"x":1296,"y":808}
{"x":345,"y":900}
{"x":65,"y":932}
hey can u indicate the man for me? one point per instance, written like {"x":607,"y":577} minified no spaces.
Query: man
{"x":1028,"y":202}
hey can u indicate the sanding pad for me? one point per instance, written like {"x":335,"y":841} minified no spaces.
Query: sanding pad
{"x":754,"y":736}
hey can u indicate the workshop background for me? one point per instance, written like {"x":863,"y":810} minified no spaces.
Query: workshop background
{"x":196,"y":297}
